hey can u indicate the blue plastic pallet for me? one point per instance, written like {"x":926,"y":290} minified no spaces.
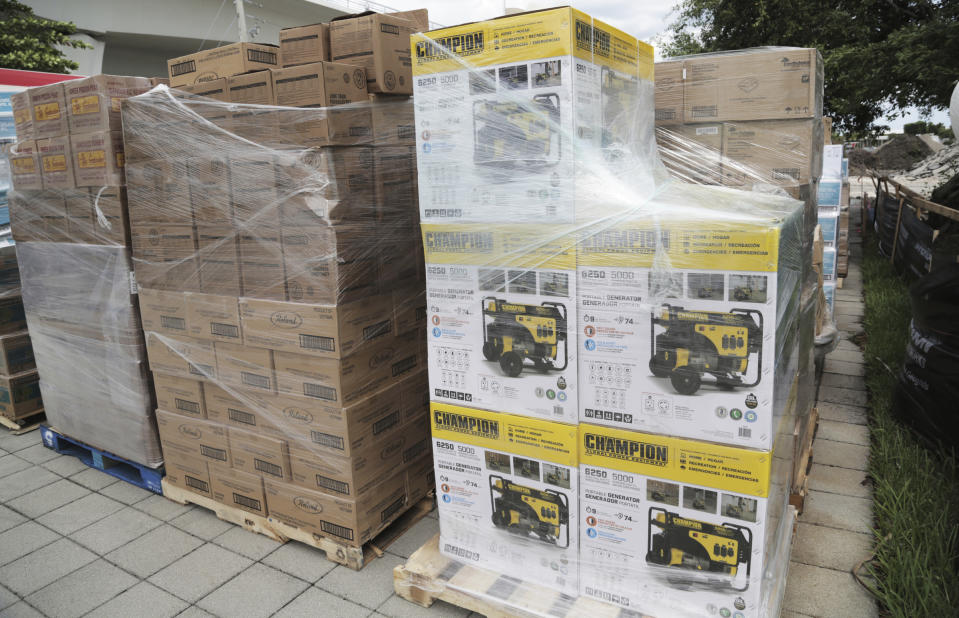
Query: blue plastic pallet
{"x":123,"y":469}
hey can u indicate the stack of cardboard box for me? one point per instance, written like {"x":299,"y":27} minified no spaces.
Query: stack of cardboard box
{"x":70,"y":220}
{"x":19,"y":382}
{"x":611,"y":373}
{"x":276,"y":251}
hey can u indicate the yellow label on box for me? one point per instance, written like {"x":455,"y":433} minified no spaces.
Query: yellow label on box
{"x":46,"y":111}
{"x":712,"y":245}
{"x":528,"y":36}
{"x":55,"y":163}
{"x":728,"y":468}
{"x":85,"y":105}
{"x":87,"y":159}
{"x":517,"y":435}
{"x":520,"y":245}
{"x":24,"y":165}
{"x":120,"y":159}
{"x":115,"y":104}
{"x":21,"y":115}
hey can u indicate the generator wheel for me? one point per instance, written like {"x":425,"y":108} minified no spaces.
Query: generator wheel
{"x":657,"y":370}
{"x":512,"y":364}
{"x":493,"y":349}
{"x":685,"y":381}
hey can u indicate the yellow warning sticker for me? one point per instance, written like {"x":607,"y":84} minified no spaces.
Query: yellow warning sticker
{"x":46,"y":111}
{"x":85,"y":105}
{"x":55,"y":163}
{"x":87,"y":159}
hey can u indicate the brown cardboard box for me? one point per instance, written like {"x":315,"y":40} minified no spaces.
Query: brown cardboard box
{"x":111,"y":221}
{"x":419,"y":17}
{"x":213,"y":89}
{"x":350,"y":379}
{"x":164,"y":257}
{"x":12,"y":317}
{"x":186,"y":472}
{"x":181,"y":357}
{"x":164,"y":312}
{"x":409,"y":308}
{"x":209,"y":182}
{"x":243,"y":408}
{"x":246,"y":367}
{"x":78,"y":206}
{"x":159,"y":191}
{"x":218,"y":259}
{"x":336,"y":184}
{"x":669,"y":92}
{"x":321,"y":86}
{"x":213,"y":317}
{"x":156,"y":81}
{"x":255,"y":88}
{"x":20,"y":394}
{"x":98,"y":159}
{"x":330,"y":280}
{"x":254,"y":191}
{"x":50,"y":208}
{"x":753,"y":85}
{"x":179,"y":395}
{"x":56,"y":162}
{"x":420,"y":479}
{"x":22,"y":115}
{"x":238,"y":489}
{"x":348,"y":521}
{"x":193,"y":437}
{"x":93,"y":103}
{"x":49,"y":110}
{"x":16,"y":353}
{"x":263,"y":278}
{"x":25,"y":166}
{"x":304,"y":45}
{"x":380,"y":44}
{"x":224,"y":61}
{"x":394,"y":168}
{"x":24,"y":221}
{"x":332,"y":331}
{"x":780,"y":152}
{"x":392,"y":119}
{"x":256,"y":453}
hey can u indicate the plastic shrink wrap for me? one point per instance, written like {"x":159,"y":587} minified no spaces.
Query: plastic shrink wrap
{"x":69,"y":218}
{"x":614,"y":350}
{"x":281,"y":292}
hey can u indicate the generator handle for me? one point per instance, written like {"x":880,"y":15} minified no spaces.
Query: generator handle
{"x":485,"y":312}
{"x":748,"y":534}
{"x":759,"y":357}
{"x":562,"y":309}
{"x":650,"y":524}
{"x":492,"y":488}
{"x":564,"y":512}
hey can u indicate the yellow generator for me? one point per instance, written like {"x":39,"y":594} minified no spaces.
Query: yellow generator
{"x":708,"y":550}
{"x":523,"y":510}
{"x":515,"y":332}
{"x":697,"y":343}
{"x":511,"y":133}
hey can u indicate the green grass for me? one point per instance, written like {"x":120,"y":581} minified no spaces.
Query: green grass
{"x":916,"y":488}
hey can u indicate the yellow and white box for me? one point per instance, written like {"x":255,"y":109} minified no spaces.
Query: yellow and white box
{"x":673,"y":527}
{"x":501,"y":304}
{"x":517,"y":116}
{"x":687,"y":326}
{"x":507,"y":494}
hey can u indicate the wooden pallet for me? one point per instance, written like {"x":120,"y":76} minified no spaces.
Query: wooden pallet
{"x":336,"y":551}
{"x":132,"y":472}
{"x":23,"y":424}
{"x":805,"y":435}
{"x":429,"y":576}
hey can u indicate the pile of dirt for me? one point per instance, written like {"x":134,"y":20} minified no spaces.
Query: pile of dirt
{"x":861,"y":161}
{"x":901,"y":152}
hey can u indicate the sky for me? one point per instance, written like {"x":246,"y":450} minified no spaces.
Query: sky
{"x":644,"y":19}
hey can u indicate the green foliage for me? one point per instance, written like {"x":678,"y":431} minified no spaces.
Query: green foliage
{"x":32,"y":43}
{"x":915,"y":488}
{"x":921,"y":126}
{"x":877,"y":53}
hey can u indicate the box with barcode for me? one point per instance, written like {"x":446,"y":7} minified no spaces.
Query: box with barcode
{"x":687,"y":322}
{"x":331,"y":331}
{"x":501,"y":306}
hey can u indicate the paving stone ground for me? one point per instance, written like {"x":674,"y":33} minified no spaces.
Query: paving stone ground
{"x":75,"y":542}
{"x":833,"y":534}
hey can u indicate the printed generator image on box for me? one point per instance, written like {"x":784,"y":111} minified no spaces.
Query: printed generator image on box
{"x":501,"y":305}
{"x":519,"y":117}
{"x":686,"y":318}
{"x":507,"y":494}
{"x":676,"y":527}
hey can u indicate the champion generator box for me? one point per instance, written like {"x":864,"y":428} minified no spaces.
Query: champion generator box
{"x":507,"y":494}
{"x":687,"y":325}
{"x":673,"y":527}
{"x":501,"y":305}
{"x":510,"y":110}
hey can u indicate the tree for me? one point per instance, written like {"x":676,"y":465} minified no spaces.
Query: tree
{"x":878,"y":54}
{"x":32,"y":43}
